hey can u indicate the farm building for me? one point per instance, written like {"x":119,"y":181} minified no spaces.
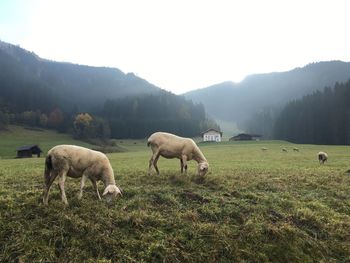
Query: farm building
{"x":27,"y":151}
{"x":211,"y":135}
{"x":245,"y":137}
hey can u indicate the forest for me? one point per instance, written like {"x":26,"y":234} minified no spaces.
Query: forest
{"x":90,"y":102}
{"x":129,"y":117}
{"x":139,"y":116}
{"x":258,"y":99}
{"x":97,"y":102}
{"x":322,"y":117}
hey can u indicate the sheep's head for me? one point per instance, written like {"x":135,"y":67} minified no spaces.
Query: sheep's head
{"x":203,"y":168}
{"x":111,"y":192}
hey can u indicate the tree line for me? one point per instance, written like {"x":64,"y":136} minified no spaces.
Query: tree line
{"x":89,"y":102}
{"x":139,"y":116}
{"x":322,"y":117}
{"x":129,"y":117}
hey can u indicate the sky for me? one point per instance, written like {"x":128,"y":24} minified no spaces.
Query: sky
{"x":181,"y":45}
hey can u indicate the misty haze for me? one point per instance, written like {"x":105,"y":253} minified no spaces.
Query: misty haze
{"x":175,"y":131}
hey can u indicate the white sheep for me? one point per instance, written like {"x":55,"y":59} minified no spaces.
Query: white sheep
{"x":284,"y":150}
{"x":322,"y":157}
{"x":172,"y":146}
{"x":264,"y":149}
{"x":75,"y":161}
{"x":295,"y":149}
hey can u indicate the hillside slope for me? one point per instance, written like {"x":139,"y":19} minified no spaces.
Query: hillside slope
{"x":17,"y":136}
{"x":237,"y":102}
{"x":23,"y":73}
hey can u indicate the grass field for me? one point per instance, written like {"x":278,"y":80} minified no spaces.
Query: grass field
{"x":16,"y":136}
{"x":253,"y":206}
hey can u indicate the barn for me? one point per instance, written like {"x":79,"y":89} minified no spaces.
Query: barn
{"x":211,"y":135}
{"x":245,"y":137}
{"x":27,"y":151}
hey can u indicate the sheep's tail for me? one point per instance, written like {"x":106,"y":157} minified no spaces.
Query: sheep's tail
{"x":48,"y":168}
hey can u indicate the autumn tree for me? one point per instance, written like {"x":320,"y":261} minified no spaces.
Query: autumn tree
{"x":82,"y":124}
{"x":55,"y":118}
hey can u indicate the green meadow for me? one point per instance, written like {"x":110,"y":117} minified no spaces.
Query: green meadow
{"x":17,"y":136}
{"x":252,"y":206}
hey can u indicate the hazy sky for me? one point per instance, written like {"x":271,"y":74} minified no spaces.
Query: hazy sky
{"x":180,"y":45}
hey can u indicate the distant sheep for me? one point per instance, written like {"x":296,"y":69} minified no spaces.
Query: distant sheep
{"x":75,"y":161}
{"x":295,"y":149}
{"x":172,"y":146}
{"x":264,"y":149}
{"x":284,"y":150}
{"x":322,"y":157}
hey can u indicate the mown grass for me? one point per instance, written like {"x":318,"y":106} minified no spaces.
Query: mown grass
{"x":253,"y":206}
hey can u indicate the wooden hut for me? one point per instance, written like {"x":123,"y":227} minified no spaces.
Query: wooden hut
{"x":245,"y":137}
{"x":27,"y":151}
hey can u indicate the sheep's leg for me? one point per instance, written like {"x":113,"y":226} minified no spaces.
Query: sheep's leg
{"x":150,"y":165}
{"x":155,"y":160}
{"x":82,"y":184}
{"x":184,"y":162}
{"x":182,"y":165}
{"x":61,"y":180}
{"x":94,"y":185}
{"x":48,"y":182}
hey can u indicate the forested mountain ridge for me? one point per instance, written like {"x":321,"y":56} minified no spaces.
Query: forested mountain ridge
{"x":322,"y":117}
{"x":238,"y":102}
{"x":90,"y":102}
{"x":23,"y":72}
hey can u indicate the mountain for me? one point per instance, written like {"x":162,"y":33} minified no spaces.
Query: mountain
{"x":23,"y":73}
{"x":90,"y":102}
{"x":238,"y":102}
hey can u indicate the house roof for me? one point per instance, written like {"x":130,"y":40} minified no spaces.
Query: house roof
{"x":246,"y":134}
{"x":28,"y":147}
{"x":211,"y":130}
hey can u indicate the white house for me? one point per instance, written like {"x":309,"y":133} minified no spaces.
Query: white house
{"x":212,"y":135}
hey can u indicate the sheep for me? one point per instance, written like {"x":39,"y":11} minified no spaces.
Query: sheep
{"x":264,"y":149}
{"x":75,"y":161}
{"x":171,"y":146}
{"x":284,"y":150}
{"x":322,"y":157}
{"x":295,"y":149}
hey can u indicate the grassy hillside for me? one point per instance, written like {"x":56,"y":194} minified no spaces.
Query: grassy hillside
{"x":16,"y":136}
{"x":253,"y":206}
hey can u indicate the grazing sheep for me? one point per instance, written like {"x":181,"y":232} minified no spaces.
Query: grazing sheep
{"x":172,"y":146}
{"x":75,"y":161}
{"x":284,"y":150}
{"x":322,"y":157}
{"x":264,"y":149}
{"x":295,"y":149}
